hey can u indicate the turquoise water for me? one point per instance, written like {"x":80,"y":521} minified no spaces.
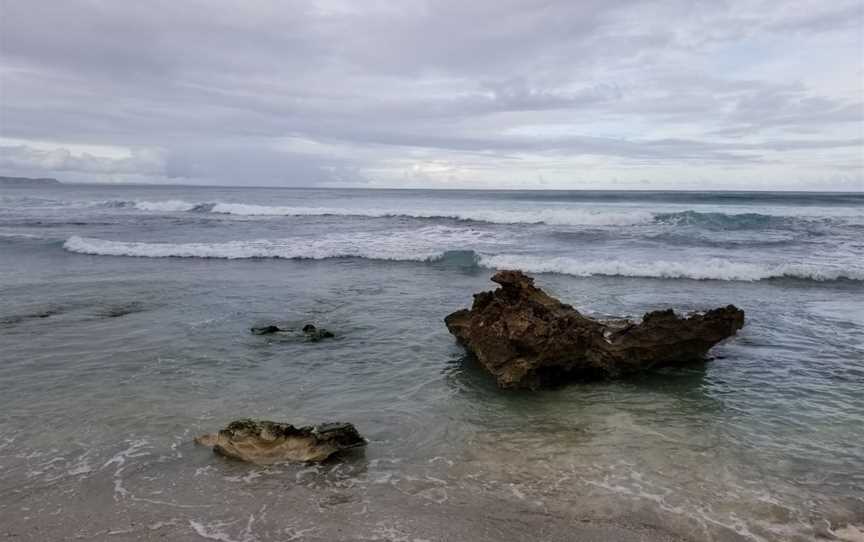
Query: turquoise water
{"x":124,"y":333}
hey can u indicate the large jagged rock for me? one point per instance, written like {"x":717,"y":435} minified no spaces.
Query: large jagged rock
{"x":528,"y":339}
{"x":265,"y":442}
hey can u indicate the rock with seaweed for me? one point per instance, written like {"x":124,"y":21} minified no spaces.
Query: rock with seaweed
{"x":266,"y":442}
{"x":527,"y":339}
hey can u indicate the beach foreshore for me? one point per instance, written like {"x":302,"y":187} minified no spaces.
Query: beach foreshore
{"x":338,"y":518}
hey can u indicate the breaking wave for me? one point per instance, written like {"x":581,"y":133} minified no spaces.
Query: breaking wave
{"x":723,"y":221}
{"x":412,"y":249}
{"x":424,"y":244}
{"x":165,"y":206}
{"x":554,"y":216}
{"x":561,"y":217}
{"x":293,"y":249}
{"x":707,"y":269}
{"x":14,"y":235}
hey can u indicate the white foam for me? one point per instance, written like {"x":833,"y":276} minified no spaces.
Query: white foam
{"x":561,"y":216}
{"x":217,"y":530}
{"x":165,"y":206}
{"x":708,"y":269}
{"x":411,"y":245}
{"x":4,"y":235}
{"x":135,"y":449}
{"x":432,"y":243}
{"x":555,"y":216}
{"x":212,"y":531}
{"x":83,"y":466}
{"x":530,"y":213}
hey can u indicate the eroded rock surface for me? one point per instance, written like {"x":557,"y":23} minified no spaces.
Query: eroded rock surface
{"x":266,"y":442}
{"x":528,"y":339}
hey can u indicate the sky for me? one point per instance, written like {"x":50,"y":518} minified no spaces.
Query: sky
{"x":589,"y":94}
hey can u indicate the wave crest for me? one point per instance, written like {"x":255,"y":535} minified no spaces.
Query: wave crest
{"x":412,"y":249}
{"x":550,"y":216}
{"x":424,"y":244}
{"x":561,"y":217}
{"x":708,"y":269}
{"x":166,"y":206}
{"x":553,"y":216}
{"x":724,"y":221}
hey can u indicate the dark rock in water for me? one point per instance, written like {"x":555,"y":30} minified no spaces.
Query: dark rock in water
{"x":314,"y":334}
{"x":45,"y":312}
{"x":115,"y":311}
{"x":265,"y":442}
{"x":266,"y":330}
{"x":310,"y":332}
{"x":528,"y":339}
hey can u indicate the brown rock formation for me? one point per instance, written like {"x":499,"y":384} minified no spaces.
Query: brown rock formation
{"x":266,"y":442}
{"x":528,"y":339}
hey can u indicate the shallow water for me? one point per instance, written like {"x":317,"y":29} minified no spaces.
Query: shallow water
{"x":110,"y":364}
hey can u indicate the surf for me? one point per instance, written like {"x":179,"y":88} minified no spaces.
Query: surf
{"x":370,"y":249}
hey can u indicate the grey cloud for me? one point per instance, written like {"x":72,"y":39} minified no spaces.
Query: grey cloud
{"x":213,"y":87}
{"x":238,"y":164}
{"x":837,"y":15}
{"x":786,"y":109}
{"x":667,"y":149}
{"x":22,"y":157}
{"x":250,"y":165}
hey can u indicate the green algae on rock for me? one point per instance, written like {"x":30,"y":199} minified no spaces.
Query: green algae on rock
{"x":265,"y":442}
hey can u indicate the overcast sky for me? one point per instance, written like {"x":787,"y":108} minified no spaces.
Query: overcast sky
{"x":457,"y":93}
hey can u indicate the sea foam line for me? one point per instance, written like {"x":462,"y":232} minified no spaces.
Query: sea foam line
{"x":235,"y":250}
{"x":550,"y":215}
{"x":561,"y":217}
{"x":413,"y":245}
{"x":707,"y":269}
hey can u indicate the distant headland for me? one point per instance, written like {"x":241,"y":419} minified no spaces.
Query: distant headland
{"x":26,"y":181}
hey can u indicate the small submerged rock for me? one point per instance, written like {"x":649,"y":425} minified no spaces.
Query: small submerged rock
{"x":45,"y":312}
{"x":266,"y":330}
{"x":123,"y":309}
{"x":314,"y":334}
{"x":310,"y":332}
{"x":528,"y":339}
{"x":265,"y":442}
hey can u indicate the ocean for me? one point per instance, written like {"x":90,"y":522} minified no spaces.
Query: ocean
{"x":124,"y":333}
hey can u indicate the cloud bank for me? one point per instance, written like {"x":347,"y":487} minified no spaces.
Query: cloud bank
{"x":485,"y":94}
